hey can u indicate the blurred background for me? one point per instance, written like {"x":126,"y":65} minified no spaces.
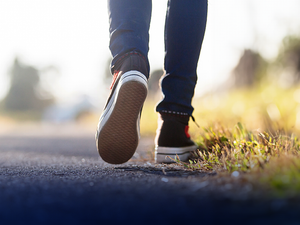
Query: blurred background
{"x":54,"y":63}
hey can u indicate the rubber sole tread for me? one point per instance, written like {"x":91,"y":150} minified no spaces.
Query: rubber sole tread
{"x":119,"y":136}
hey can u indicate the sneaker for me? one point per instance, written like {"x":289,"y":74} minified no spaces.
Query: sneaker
{"x":172,"y":138}
{"x":118,"y":135}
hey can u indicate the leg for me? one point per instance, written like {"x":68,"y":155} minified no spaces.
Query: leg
{"x":184,"y":33}
{"x":118,"y":129}
{"x":129,"y":27}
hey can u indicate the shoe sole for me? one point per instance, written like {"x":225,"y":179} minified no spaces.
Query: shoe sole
{"x":170,"y":154}
{"x":119,"y":136}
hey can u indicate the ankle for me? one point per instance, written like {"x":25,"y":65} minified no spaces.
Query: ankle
{"x":172,"y":130}
{"x":174,"y":116}
{"x":131,"y":61}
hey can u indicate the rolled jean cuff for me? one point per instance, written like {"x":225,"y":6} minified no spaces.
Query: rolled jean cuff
{"x":174,"y":109}
{"x":131,"y":43}
{"x":124,"y":56}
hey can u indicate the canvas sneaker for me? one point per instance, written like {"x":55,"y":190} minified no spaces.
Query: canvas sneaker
{"x":172,"y":138}
{"x":118,"y":135}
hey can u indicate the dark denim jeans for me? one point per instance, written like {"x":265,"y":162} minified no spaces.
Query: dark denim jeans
{"x":184,"y":32}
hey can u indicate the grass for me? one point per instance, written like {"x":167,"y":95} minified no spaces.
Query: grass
{"x":252,"y":131}
{"x":239,"y":149}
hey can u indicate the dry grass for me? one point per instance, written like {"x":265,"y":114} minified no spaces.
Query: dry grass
{"x":254,"y":132}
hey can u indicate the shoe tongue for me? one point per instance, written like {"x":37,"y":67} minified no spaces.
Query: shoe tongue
{"x":184,"y":119}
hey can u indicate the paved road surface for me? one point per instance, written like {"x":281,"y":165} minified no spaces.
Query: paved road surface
{"x":57,"y":177}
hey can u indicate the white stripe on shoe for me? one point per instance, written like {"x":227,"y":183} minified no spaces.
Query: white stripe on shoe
{"x":163,"y":154}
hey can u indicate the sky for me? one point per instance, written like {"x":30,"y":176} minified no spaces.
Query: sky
{"x":72,"y":35}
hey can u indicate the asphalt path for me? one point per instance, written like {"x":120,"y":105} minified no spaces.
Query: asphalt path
{"x":58,"y":178}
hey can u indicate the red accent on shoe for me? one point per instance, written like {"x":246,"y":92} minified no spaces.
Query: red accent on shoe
{"x":116,"y":73}
{"x":186,"y":130}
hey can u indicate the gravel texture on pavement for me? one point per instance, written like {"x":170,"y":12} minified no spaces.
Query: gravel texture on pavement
{"x":60,"y":179}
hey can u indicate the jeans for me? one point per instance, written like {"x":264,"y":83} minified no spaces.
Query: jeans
{"x":184,"y":32}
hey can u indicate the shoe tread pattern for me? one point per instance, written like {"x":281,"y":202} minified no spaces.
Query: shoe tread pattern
{"x":119,"y":136}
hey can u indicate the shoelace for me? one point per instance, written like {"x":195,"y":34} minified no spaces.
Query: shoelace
{"x":193,"y":118}
{"x":186,"y":129}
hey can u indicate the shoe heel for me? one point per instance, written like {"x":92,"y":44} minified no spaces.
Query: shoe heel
{"x":119,"y":137}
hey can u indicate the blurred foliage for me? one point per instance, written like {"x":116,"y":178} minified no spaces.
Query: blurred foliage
{"x":287,"y":63}
{"x":250,"y":70}
{"x":23,"y":100}
{"x":106,"y":72}
{"x":266,"y":107}
{"x":154,"y":83}
{"x":289,"y":53}
{"x":149,"y":118}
